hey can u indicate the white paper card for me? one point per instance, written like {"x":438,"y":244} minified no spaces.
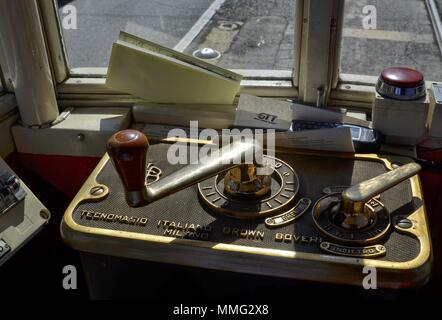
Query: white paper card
{"x":303,"y":112}
{"x":267,"y":113}
{"x":336,"y":139}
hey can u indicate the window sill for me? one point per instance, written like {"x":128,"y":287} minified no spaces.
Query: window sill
{"x":248,"y":74}
{"x":93,"y":92}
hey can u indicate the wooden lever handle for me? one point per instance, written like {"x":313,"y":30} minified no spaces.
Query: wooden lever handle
{"x":127,"y":150}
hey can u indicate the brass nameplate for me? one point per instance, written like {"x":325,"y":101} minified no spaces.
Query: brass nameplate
{"x":113,"y":218}
{"x":250,"y":234}
{"x":297,"y":238}
{"x":178,"y":229}
{"x":287,"y":217}
{"x":358,"y":252}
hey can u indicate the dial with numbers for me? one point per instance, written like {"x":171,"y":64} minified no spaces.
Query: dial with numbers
{"x":326,"y":221}
{"x":284,"y":187}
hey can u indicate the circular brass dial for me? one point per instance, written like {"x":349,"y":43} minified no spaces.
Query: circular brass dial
{"x":284,"y":187}
{"x":327,"y":218}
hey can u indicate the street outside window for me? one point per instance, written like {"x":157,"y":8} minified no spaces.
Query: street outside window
{"x":383,"y":33}
{"x":236,"y":34}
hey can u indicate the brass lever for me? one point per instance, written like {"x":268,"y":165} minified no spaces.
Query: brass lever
{"x":128,"y":148}
{"x":355,"y":197}
{"x":356,"y":216}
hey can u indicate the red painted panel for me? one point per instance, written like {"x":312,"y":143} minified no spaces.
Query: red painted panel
{"x":66,"y":173}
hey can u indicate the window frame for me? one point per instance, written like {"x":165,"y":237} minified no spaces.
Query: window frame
{"x":54,"y":40}
{"x":2,"y":80}
{"x":355,"y":91}
{"x":89,"y":82}
{"x":318,"y":51}
{"x":359,"y":90}
{"x":4,"y":85}
{"x":86,"y":86}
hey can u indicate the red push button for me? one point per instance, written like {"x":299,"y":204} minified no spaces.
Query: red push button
{"x":401,"y":83}
{"x":402,"y":77}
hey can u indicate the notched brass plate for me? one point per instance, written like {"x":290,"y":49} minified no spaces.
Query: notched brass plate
{"x":373,"y":233}
{"x":285,"y":186}
{"x":288,"y":217}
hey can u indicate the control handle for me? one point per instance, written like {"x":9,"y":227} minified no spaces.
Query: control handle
{"x":355,"y":196}
{"x":128,"y":148}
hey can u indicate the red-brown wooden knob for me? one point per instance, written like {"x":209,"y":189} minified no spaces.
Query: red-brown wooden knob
{"x":127,"y":150}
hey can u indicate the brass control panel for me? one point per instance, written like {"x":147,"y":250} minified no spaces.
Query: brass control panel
{"x":311,"y":216}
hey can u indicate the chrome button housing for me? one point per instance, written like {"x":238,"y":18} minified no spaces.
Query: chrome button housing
{"x":401,"y":83}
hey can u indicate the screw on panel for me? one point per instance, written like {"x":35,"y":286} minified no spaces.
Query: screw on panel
{"x":45,"y":214}
{"x":404,"y":223}
{"x":80,"y":137}
{"x":96,"y":191}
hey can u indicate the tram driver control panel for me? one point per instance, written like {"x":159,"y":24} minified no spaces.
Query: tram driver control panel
{"x":304,"y":215}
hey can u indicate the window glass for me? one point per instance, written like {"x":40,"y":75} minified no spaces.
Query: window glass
{"x":383,"y":33}
{"x":247,"y":34}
